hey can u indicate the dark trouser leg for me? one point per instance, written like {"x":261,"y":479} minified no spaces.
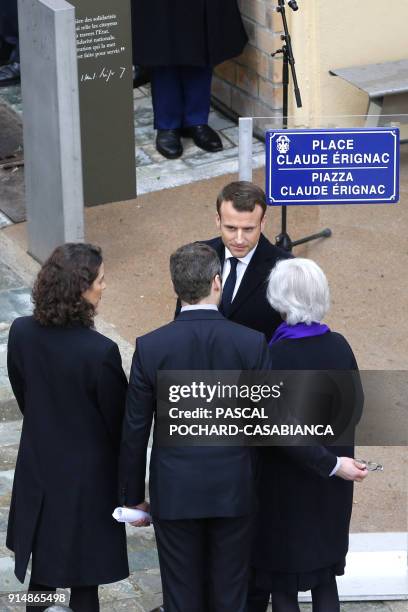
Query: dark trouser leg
{"x":325,"y":597}
{"x":258,"y":602}
{"x":84,"y":599}
{"x":196,"y":82}
{"x":229,"y":545}
{"x":285,"y":602}
{"x":36,"y":588}
{"x":181,"y":548}
{"x":167,"y":97}
{"x":258,"y":599}
{"x":204,"y":563}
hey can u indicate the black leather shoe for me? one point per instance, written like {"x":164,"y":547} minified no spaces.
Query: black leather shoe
{"x":159,"y":609}
{"x":168,"y":143}
{"x":204,"y":137}
{"x":9,"y":74}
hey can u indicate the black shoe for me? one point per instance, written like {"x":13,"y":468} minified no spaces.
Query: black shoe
{"x":9,"y":74}
{"x":168,"y":143}
{"x":159,"y":609}
{"x":204,"y":137}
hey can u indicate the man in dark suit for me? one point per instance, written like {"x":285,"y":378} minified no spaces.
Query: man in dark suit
{"x":201,"y":497}
{"x":246,"y":257}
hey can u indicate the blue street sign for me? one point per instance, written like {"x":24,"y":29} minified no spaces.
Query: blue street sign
{"x":336,"y":166}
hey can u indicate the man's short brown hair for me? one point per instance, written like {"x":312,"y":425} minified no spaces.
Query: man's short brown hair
{"x":243,"y":195}
{"x":193,"y":268}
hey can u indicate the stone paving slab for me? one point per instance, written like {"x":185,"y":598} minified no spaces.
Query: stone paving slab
{"x":6,"y":394}
{"x":3,"y":519}
{"x":8,"y":278}
{"x":4,"y":382}
{"x":9,"y":411}
{"x":10,"y":434}
{"x":8,"y":581}
{"x":15,"y":303}
{"x":8,"y":457}
{"x":4,"y":221}
{"x":3,"y":357}
{"x":4,"y":330}
{"x":12,"y":95}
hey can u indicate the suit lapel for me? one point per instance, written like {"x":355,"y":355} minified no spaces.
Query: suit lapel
{"x":220,"y":248}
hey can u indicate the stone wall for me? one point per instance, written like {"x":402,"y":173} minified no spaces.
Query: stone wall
{"x":251,"y":84}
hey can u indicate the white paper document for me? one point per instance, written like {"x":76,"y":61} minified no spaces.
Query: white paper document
{"x":129,"y":515}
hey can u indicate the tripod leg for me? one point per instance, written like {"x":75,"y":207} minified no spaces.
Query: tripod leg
{"x":326,"y":233}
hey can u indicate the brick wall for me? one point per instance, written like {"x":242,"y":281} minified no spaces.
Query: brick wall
{"x":250,"y":85}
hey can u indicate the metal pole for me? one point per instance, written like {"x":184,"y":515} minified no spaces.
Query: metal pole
{"x":245,"y":148}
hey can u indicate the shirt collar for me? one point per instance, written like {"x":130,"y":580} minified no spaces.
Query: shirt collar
{"x":245,"y":260}
{"x":198,"y":307}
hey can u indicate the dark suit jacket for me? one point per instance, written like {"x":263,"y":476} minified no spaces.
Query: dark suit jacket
{"x":188,"y":482}
{"x":71,"y":389}
{"x":250,"y":306}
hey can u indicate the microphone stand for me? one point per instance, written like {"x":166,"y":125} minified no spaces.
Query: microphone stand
{"x":283,"y":240}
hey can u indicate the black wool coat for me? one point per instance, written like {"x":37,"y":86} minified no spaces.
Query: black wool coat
{"x":186,"y":32}
{"x":71,"y":389}
{"x":303,"y":519}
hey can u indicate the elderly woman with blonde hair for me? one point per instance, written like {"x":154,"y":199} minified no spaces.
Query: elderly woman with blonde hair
{"x":302,"y":527}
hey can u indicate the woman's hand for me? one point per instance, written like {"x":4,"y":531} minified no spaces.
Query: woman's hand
{"x":351,"y":470}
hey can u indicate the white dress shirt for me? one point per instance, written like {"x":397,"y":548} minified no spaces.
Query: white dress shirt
{"x":242,"y":265}
{"x":198,"y":307}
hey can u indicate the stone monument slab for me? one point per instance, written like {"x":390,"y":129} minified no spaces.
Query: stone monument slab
{"x":104,"y":52}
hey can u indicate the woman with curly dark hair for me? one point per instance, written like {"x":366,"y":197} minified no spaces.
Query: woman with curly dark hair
{"x":70,"y":387}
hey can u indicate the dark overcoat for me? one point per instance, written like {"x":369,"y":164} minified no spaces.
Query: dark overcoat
{"x":71,"y":389}
{"x":303,"y":519}
{"x":186,"y":32}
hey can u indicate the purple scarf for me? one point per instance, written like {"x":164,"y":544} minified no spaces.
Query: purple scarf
{"x":300,"y":330}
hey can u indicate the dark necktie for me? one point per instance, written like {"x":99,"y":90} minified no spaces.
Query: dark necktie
{"x":228,"y":289}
